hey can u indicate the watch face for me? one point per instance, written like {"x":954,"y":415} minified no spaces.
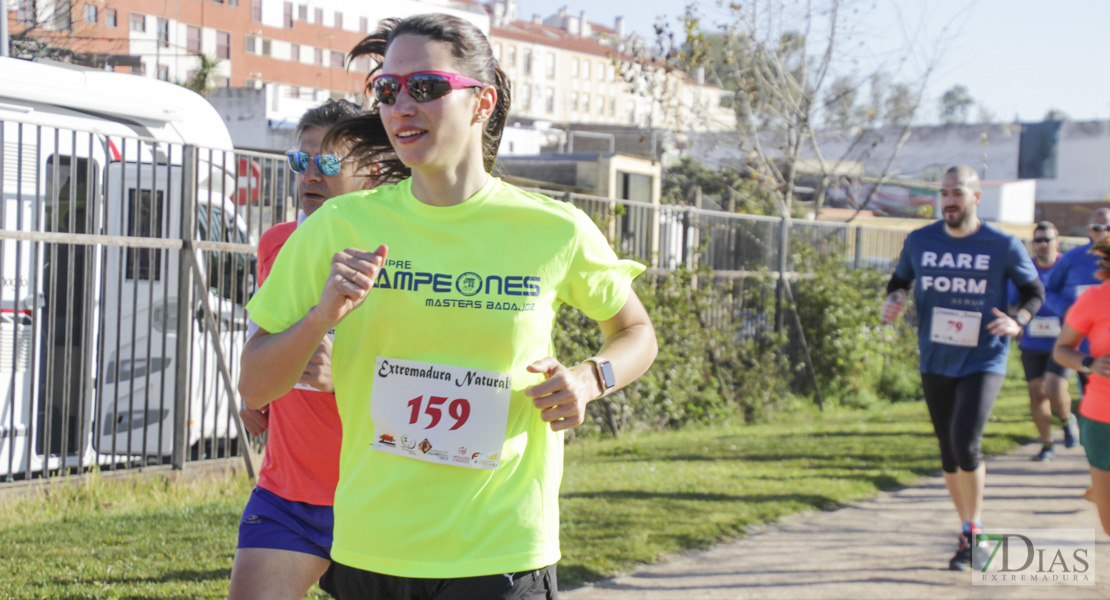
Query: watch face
{"x":607,"y":375}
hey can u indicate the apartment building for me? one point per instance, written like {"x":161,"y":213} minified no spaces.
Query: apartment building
{"x":298,"y":47}
{"x":567,"y":70}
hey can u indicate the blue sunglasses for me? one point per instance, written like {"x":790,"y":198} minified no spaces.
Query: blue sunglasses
{"x":328,"y":164}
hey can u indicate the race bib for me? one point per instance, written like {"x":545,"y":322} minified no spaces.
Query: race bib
{"x":305,"y":386}
{"x":1043,"y":327}
{"x":440,"y":414}
{"x":1079,"y":289}
{"x":956,"y":327}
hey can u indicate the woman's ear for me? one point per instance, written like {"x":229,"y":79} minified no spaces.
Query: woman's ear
{"x":487,"y":101}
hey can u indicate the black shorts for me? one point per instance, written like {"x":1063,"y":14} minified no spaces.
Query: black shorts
{"x":349,"y":583}
{"x":1039,"y":362}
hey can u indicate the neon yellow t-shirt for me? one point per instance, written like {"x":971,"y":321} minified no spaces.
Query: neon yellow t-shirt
{"x":474,"y":285}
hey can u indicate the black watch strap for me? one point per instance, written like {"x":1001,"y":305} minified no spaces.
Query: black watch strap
{"x":1087,"y":362}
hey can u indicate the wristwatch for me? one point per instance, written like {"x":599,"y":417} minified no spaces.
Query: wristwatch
{"x":1022,"y":320}
{"x":604,"y":372}
{"x":1087,"y":362}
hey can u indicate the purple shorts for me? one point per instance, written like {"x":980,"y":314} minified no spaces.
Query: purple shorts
{"x":270,"y":521}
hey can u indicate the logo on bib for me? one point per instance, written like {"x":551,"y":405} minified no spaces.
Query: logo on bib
{"x":387,"y":439}
{"x":407,"y":442}
{"x":425,"y":446}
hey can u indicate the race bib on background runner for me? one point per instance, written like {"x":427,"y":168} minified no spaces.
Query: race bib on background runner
{"x":441,"y":414}
{"x":956,"y":327}
{"x":1044,"y":327}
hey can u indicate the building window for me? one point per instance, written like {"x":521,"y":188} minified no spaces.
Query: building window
{"x":319,"y":16}
{"x":63,"y":15}
{"x":110,"y":17}
{"x":527,"y":60}
{"x":27,"y":12}
{"x":302,"y":12}
{"x":295,"y":53}
{"x":337,"y":59}
{"x":549,"y":100}
{"x":600,"y":105}
{"x":574,"y":101}
{"x":249,"y":42}
{"x":267,"y":47}
{"x":362,"y":64}
{"x":364,"y":25}
{"x":497,"y":52}
{"x":192,"y":40}
{"x":574,"y":67}
{"x":612,"y":107}
{"x":512,"y":56}
{"x":585,"y":69}
{"x":90,"y":13}
{"x":612,"y":73}
{"x":164,"y":33}
{"x":319,"y":56}
{"x":164,"y":72}
{"x":138,"y":22}
{"x":338,"y":20}
{"x":585,"y":103}
{"x":550,"y":66}
{"x":288,"y":15}
{"x":526,"y":97}
{"x":256,"y":11}
{"x":223,"y":45}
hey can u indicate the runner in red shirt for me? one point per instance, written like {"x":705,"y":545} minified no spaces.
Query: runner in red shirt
{"x":286,"y":529}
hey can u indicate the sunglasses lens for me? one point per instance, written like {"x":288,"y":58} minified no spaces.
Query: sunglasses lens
{"x":428,"y":86}
{"x":385,"y":89}
{"x":329,"y":164}
{"x":298,"y":161}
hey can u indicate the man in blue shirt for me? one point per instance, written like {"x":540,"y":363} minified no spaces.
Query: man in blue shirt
{"x":1075,"y":272}
{"x":1047,"y":379}
{"x":961,"y":267}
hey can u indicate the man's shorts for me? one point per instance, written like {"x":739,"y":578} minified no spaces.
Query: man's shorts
{"x":1095,"y":436}
{"x":1039,"y":362}
{"x":270,"y":521}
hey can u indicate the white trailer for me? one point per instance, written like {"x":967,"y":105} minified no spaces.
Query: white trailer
{"x":92,"y":162}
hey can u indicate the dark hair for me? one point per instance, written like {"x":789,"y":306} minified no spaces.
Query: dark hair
{"x":366,"y":141}
{"x":473,"y":58}
{"x":1044,"y":226}
{"x":1102,"y":249}
{"x":328,"y":114}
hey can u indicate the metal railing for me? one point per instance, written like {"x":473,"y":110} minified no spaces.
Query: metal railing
{"x":126,"y":263}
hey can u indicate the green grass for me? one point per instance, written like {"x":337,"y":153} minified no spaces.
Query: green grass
{"x":625,"y":502}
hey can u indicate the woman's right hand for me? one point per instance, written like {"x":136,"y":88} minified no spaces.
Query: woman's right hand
{"x":1101,"y":366}
{"x":352,"y":276}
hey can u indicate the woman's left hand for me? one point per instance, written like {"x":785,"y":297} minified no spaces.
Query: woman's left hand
{"x":563,"y":397}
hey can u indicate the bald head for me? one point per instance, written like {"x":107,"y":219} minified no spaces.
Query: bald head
{"x":967,"y":176}
{"x":1101,"y":215}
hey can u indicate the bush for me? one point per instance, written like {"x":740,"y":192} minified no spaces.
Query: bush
{"x":856,"y":357}
{"x":720,"y":358}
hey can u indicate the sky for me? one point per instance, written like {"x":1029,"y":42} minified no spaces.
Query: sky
{"x":1018,"y":58}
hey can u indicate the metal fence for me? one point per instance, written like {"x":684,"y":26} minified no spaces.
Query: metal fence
{"x":126,"y":263}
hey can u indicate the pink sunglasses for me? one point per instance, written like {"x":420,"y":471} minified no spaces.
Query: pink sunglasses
{"x":423,"y":86}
